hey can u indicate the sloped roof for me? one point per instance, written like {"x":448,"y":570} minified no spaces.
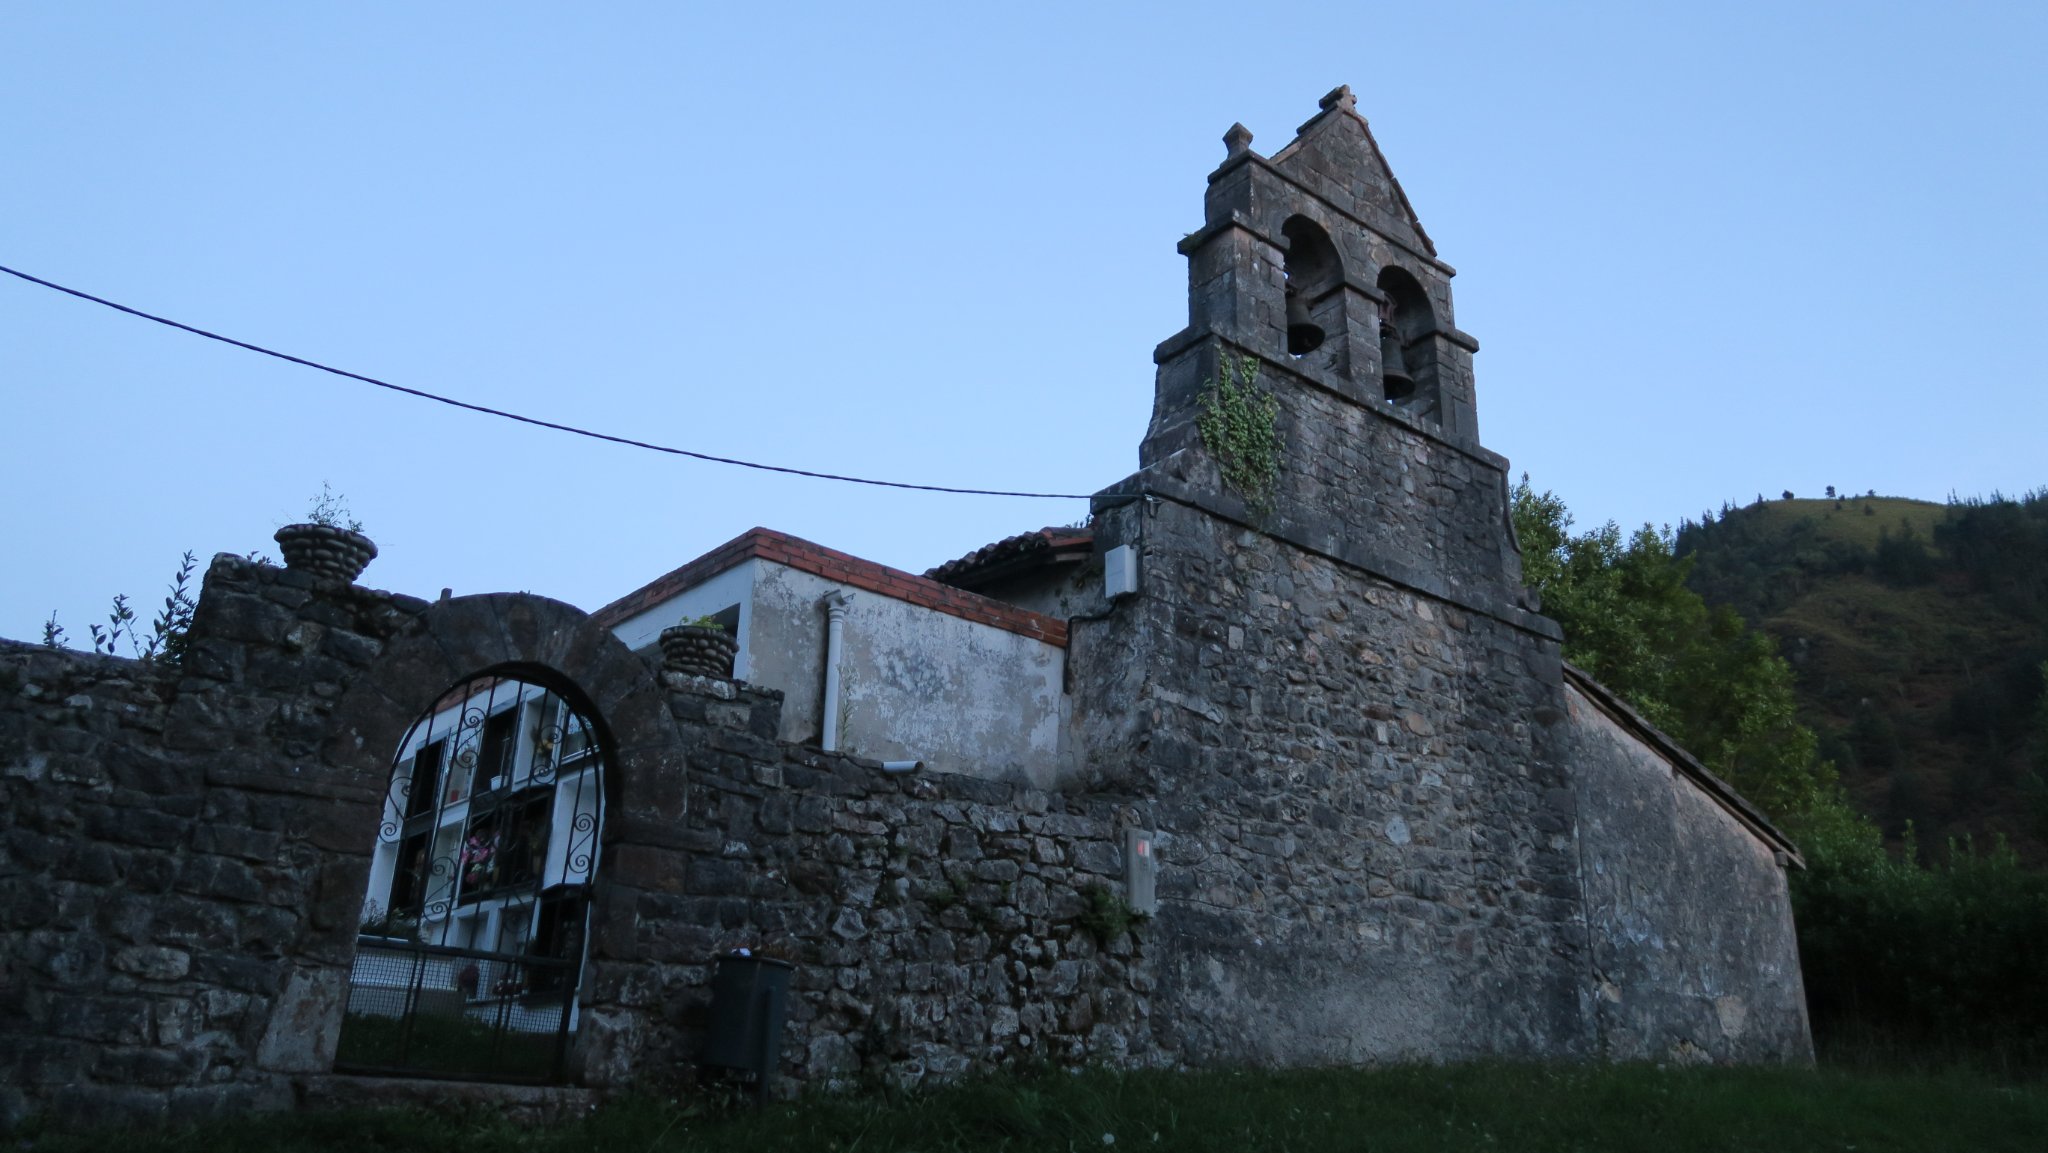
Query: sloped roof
{"x":1721,"y":792}
{"x":845,"y":568}
{"x":1015,"y":554}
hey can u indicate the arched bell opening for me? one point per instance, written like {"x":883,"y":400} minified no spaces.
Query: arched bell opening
{"x":1312,"y":269}
{"x":476,"y":919}
{"x":1407,"y":369}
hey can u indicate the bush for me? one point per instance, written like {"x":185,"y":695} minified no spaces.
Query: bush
{"x":1945,"y":956}
{"x":1105,"y":915}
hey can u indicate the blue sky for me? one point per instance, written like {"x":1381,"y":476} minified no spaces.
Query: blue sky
{"x":1708,"y":250}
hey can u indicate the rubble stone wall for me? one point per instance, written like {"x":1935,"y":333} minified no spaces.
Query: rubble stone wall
{"x":186,"y":851}
{"x":184,"y":868}
{"x":939,"y":922}
{"x":1366,"y":851}
{"x":1369,"y":812}
{"x":1370,"y":486}
{"x":186,"y":848}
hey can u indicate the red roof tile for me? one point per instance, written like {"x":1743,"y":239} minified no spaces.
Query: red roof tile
{"x":797,"y":553}
{"x":1046,"y":545}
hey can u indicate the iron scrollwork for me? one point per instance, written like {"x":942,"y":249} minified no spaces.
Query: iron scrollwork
{"x":478,"y":910}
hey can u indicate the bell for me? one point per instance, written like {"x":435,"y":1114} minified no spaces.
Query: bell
{"x":1393,"y":367}
{"x":1303,"y":335}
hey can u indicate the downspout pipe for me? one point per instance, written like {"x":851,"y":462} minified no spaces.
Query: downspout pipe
{"x":836,"y":604}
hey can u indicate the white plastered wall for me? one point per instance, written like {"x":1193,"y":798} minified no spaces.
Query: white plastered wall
{"x":916,"y":684}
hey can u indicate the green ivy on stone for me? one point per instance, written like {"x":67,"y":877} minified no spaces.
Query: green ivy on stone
{"x":1237,"y":424}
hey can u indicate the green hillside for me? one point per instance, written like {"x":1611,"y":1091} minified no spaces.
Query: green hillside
{"x":1916,"y":632}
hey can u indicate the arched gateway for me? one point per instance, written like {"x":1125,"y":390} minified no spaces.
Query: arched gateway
{"x":476,"y":917}
{"x":517,"y":745}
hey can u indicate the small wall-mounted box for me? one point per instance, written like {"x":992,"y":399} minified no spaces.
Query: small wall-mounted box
{"x":1120,"y":572}
{"x":1141,"y":870}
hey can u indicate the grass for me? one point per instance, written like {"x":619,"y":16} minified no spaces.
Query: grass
{"x":1849,"y":522}
{"x":457,"y":1046}
{"x":1854,"y":1048}
{"x":1523,"y":1107}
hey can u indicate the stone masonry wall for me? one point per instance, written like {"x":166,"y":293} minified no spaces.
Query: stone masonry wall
{"x":1365,"y":854}
{"x":1377,"y":811}
{"x":1370,"y":822}
{"x":1369,"y":485}
{"x":186,"y":852}
{"x":182,"y":869}
{"x":1693,"y":949}
{"x":939,"y":922}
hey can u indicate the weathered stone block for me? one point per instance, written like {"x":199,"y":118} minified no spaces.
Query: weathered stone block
{"x":258,"y":975}
{"x":222,"y":878}
{"x":338,"y":889}
{"x":228,"y":840}
{"x":152,"y":1067}
{"x":44,"y":1061}
{"x":650,"y":868}
{"x":351,"y":648}
{"x":72,"y":959}
{"x":91,"y":864}
{"x":98,"y":1018}
{"x":1098,"y":857}
{"x":153,"y":962}
{"x":134,"y":826}
{"x":716,"y":877}
{"x":236,"y":616}
{"x":148,"y":772}
{"x":305,"y":1022}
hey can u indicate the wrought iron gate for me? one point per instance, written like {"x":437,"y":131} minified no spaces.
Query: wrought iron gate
{"x":473,"y":935}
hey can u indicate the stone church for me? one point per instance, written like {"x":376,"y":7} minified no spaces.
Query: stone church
{"x":1415,"y":831}
{"x":1273,"y":761}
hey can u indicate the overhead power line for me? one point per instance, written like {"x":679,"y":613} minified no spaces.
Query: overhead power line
{"x":533,"y":420}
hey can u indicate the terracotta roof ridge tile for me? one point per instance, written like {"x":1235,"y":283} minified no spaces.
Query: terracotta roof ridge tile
{"x":1011,"y":547}
{"x":832,"y":564}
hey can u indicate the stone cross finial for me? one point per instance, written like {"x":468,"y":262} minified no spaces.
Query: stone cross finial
{"x":1340,"y":97}
{"x":1238,"y":141}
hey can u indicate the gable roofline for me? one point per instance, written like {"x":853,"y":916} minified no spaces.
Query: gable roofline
{"x":1685,"y":764}
{"x":833,"y":565}
{"x":1340,"y":102}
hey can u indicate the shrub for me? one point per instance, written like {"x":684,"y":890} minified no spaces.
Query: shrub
{"x":1105,"y":914}
{"x":165,"y":640}
{"x":1944,"y":955}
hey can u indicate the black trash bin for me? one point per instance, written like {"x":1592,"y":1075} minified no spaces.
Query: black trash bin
{"x":747,"y":996}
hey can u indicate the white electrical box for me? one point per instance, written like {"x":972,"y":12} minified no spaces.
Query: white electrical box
{"x":1120,"y":572}
{"x":1141,"y":870}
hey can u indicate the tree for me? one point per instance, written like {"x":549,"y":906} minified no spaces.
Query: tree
{"x":1925,"y":954}
{"x":2041,"y":723}
{"x":1700,"y":674}
{"x":1902,"y":560}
